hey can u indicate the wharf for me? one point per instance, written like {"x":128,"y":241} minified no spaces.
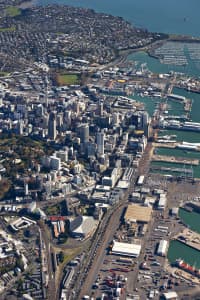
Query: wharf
{"x":165,"y":145}
{"x":191,"y":244}
{"x":175,"y":170}
{"x":192,"y":206}
{"x":178,"y":273}
{"x":179,"y":160}
{"x":191,"y":239}
{"x":174,"y":145}
{"x":188,"y":105}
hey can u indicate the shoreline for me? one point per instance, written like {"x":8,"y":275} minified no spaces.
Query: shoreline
{"x":148,"y":48}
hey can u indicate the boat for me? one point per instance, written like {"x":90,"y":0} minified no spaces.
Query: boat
{"x":186,"y":267}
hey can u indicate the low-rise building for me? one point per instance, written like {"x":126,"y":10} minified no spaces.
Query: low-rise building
{"x":162,"y":248}
{"x":126,"y":249}
{"x":83,"y":226}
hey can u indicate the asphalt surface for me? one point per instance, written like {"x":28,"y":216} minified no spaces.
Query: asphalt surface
{"x":101,"y":251}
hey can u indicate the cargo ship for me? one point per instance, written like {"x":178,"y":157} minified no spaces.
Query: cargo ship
{"x":186,"y":267}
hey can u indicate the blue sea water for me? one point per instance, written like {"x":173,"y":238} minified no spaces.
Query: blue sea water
{"x":169,"y":16}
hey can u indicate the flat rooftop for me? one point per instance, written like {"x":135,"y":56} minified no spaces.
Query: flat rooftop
{"x":138,"y":213}
{"x":126,"y":249}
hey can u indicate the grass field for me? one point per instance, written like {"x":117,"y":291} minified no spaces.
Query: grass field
{"x":13,"y":11}
{"x":2,"y":73}
{"x":67,"y":79}
{"x":7,"y":29}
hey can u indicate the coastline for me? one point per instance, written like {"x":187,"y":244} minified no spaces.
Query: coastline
{"x":150,"y":49}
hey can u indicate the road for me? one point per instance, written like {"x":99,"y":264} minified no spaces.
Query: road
{"x":47,"y":248}
{"x":112,"y":226}
{"x":98,"y":251}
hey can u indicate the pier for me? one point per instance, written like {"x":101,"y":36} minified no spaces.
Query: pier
{"x":173,"y":170}
{"x":191,"y":244}
{"x":189,"y":238}
{"x":165,"y":145}
{"x":173,"y":145}
{"x":179,"y":160}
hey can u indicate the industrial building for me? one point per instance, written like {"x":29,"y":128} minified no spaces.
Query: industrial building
{"x":140,"y":180}
{"x":162,"y":201}
{"x":162,"y":248}
{"x":136,"y":213}
{"x":170,"y":295}
{"x":126,"y":249}
{"x":83,"y":226}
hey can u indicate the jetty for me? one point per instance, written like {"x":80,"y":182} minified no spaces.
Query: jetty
{"x":179,"y":160}
{"x":189,"y":238}
{"x":173,"y":170}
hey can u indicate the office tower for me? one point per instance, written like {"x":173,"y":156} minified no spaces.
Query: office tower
{"x":67,"y":119}
{"x":20,"y":127}
{"x":52,"y":126}
{"x":84,"y":133}
{"x":101,"y":108}
{"x":100,"y":142}
{"x":76,"y":108}
{"x":145,"y":124}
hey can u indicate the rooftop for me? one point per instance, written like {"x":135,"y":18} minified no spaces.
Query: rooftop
{"x":126,"y":249}
{"x":137,"y":213}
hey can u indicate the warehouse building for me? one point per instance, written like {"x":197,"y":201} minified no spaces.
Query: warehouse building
{"x":170,"y":295}
{"x":137,"y":213}
{"x":162,"y":201}
{"x":126,"y":249}
{"x":162,"y":248}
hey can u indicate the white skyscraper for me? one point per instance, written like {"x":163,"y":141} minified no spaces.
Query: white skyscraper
{"x":100,"y":142}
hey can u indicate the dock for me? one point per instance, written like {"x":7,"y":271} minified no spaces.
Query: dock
{"x":179,"y":160}
{"x":165,"y":145}
{"x":174,"y":145}
{"x":189,"y":238}
{"x":190,"y":244}
{"x":173,"y":170}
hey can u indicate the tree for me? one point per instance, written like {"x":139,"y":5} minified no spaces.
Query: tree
{"x":61,"y":256}
{"x":19,"y":263}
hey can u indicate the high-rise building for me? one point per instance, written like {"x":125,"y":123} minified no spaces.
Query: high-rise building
{"x":115,"y":119}
{"x":52,"y":126}
{"x":146,"y":123}
{"x":40,"y":110}
{"x":76,"y":108}
{"x":101,"y":108}
{"x":20,"y":127}
{"x":67,"y":119}
{"x":100,"y":142}
{"x":84,"y":133}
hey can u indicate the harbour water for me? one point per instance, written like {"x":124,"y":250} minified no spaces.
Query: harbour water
{"x":179,"y":250}
{"x":191,"y":219}
{"x":189,"y":255}
{"x":154,"y":65}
